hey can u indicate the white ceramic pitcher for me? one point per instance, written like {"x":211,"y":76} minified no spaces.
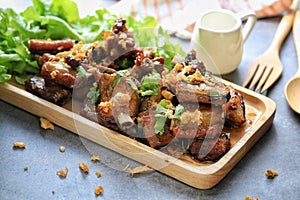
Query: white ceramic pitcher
{"x":221,"y":34}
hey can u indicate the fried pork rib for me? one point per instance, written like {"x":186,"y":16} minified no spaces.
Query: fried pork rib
{"x":118,"y":46}
{"x":193,"y":85}
{"x":210,"y":149}
{"x":235,"y":109}
{"x":53,"y":93}
{"x":147,"y":122}
{"x":201,"y":122}
{"x":194,"y":105}
{"x":59,"y":73}
{"x":121,"y":109}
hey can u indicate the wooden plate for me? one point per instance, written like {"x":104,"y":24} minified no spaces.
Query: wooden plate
{"x":260,"y":112}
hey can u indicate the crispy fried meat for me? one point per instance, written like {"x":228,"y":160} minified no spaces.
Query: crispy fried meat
{"x":192,"y":104}
{"x":147,"y":121}
{"x":53,"y":93}
{"x":235,"y":109}
{"x":59,"y":73}
{"x":210,"y":149}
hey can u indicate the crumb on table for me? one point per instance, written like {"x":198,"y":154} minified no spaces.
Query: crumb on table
{"x":19,"y":145}
{"x":99,"y":190}
{"x":271,"y":173}
{"x":251,"y":198}
{"x":98,"y":174}
{"x":63,"y":173}
{"x":62,"y":149}
{"x":84,"y":167}
{"x":95,"y":158}
{"x":46,"y":124}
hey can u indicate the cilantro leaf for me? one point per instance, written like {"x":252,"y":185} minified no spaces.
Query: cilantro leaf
{"x":81,"y":71}
{"x":165,"y":110}
{"x":179,"y":110}
{"x":161,"y":115}
{"x":118,"y":76}
{"x":160,"y":124}
{"x":94,"y":93}
{"x":150,"y":84}
{"x":132,"y":84}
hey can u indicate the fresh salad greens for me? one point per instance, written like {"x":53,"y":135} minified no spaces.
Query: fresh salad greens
{"x":56,"y":19}
{"x":158,"y":39}
{"x":14,"y":55}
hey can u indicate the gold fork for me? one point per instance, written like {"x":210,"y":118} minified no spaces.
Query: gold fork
{"x":267,"y":68}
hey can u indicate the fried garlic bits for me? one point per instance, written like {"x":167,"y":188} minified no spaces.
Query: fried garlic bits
{"x":62,"y":149}
{"x":19,"y":145}
{"x":98,"y":174}
{"x":271,"y":173}
{"x":251,"y":198}
{"x":99,"y":190}
{"x":84,"y":167}
{"x":139,"y":170}
{"x":95,"y":158}
{"x":63,"y":173}
{"x":46,"y":124}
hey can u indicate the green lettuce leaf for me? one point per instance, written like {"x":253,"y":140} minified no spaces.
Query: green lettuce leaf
{"x":14,"y":54}
{"x":56,"y":19}
{"x":3,"y":74}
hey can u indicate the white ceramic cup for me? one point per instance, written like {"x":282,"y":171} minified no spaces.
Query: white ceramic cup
{"x":221,"y":34}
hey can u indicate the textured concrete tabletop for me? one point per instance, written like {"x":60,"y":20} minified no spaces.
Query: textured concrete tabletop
{"x":278,"y":149}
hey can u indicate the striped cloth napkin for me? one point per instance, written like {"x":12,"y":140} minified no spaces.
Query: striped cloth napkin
{"x":178,"y":16}
{"x":263,"y":8}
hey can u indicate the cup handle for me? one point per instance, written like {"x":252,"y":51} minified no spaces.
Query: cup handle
{"x":251,"y":18}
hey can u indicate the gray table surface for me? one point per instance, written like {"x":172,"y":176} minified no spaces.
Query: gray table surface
{"x":278,"y":149}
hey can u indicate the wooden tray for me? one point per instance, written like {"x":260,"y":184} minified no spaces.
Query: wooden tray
{"x":260,"y":110}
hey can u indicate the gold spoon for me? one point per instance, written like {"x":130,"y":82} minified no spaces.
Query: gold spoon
{"x":292,"y":88}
